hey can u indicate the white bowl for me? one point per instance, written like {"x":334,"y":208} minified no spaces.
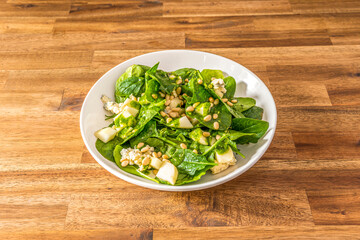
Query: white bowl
{"x":248,"y":84}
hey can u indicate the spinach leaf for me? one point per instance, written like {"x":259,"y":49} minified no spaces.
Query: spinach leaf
{"x":230,"y":86}
{"x":131,"y":85}
{"x":107,"y":149}
{"x":151,"y":87}
{"x":190,"y":162}
{"x":207,"y":74}
{"x":249,"y":125}
{"x":145,"y":115}
{"x":255,"y":112}
{"x":148,"y":131}
{"x":233,"y":146}
{"x":132,"y":71}
{"x":241,"y":105}
{"x":117,"y":154}
{"x":166,"y":84}
{"x":184,"y":72}
{"x":186,"y":178}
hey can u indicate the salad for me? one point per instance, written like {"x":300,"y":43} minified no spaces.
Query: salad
{"x":174,"y":127}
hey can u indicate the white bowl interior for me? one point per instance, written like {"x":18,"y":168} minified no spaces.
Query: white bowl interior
{"x":248,"y":84}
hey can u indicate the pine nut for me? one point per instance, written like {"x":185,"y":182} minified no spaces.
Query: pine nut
{"x":167,"y":103}
{"x":168,"y":108}
{"x":146,"y":161}
{"x":186,"y":80}
{"x":124,"y":163}
{"x":178,"y":90}
{"x":140,"y":145}
{"x":207,"y":118}
{"x":173,"y":114}
{"x":165,"y":156}
{"x":218,"y":137}
{"x":234,"y":101}
{"x":196,"y":104}
{"x":162,"y":94}
{"x":172,"y":97}
{"x":167,"y":97}
{"x":177,"y":109}
{"x":183,"y":115}
{"x":183,"y":146}
{"x":154,"y":154}
{"x":230,"y":104}
{"x":159,"y":154}
{"x":200,"y":81}
{"x":154,"y":96}
{"x":195,"y":151}
{"x":190,"y":109}
{"x":215,"y":116}
{"x":145,"y":149}
{"x":211,"y":99}
{"x":163,"y":114}
{"x":206,"y":134}
{"x":179,"y":81}
{"x":224,"y":100}
{"x":216,"y":102}
{"x":124,"y":159}
{"x":216,"y":125}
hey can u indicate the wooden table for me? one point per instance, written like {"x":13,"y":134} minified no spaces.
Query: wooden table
{"x":306,"y":185}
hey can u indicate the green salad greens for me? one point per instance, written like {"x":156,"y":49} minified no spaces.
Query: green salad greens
{"x":172,"y":127}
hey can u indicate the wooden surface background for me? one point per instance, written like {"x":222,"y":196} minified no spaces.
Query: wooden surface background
{"x":307,"y":185}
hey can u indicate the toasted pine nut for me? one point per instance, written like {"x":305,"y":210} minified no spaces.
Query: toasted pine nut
{"x":159,"y":154}
{"x":190,"y":109}
{"x":206,"y":134}
{"x":183,"y":115}
{"x":234,"y":101}
{"x":145,"y":149}
{"x":162,"y":94}
{"x":165,"y":156}
{"x":211,"y":99}
{"x":207,"y":118}
{"x":224,"y":100}
{"x":216,"y":102}
{"x":216,"y":125}
{"x":186,"y":80}
{"x":167,"y":97}
{"x":163,"y":114}
{"x":179,"y":81}
{"x":230,"y":104}
{"x":200,"y":81}
{"x":218,"y":137}
{"x":215,"y":116}
{"x":177,"y":109}
{"x":168,"y":108}
{"x":172,"y":97}
{"x":124,"y":159}
{"x":183,"y":146}
{"x":173,"y":114}
{"x":178,"y":90}
{"x":168,"y":120}
{"x":124,"y":163}
{"x":140,"y":145}
{"x":196,"y":104}
{"x":167,"y":103}
{"x":154,"y":96}
{"x":146,"y":161}
{"x":154,"y":154}
{"x":195,"y":151}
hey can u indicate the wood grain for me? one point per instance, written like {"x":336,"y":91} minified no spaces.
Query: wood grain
{"x":306,"y":186}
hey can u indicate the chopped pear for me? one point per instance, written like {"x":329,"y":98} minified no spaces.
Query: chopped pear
{"x":131,"y":110}
{"x":155,"y":163}
{"x":175,"y":102}
{"x":125,"y":103}
{"x":105,"y":134}
{"x":185,"y":123}
{"x":126,"y":114}
{"x":151,"y":174}
{"x":168,"y":172}
{"x":226,"y":157}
